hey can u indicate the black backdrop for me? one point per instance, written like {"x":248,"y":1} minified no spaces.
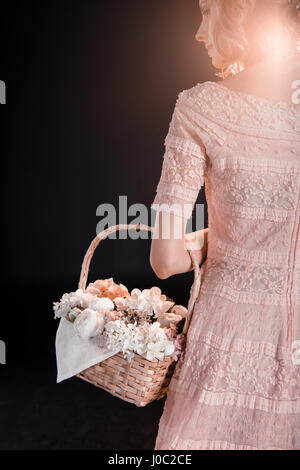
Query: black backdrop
{"x":90,"y":89}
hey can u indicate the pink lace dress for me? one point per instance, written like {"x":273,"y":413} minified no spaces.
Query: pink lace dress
{"x":238,"y":386}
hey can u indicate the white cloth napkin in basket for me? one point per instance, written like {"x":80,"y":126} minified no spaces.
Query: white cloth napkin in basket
{"x":73,"y":354}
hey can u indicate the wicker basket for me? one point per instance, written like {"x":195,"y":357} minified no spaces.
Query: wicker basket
{"x":141,"y":381}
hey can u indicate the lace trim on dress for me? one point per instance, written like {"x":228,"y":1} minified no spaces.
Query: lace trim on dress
{"x":244,"y":283}
{"x":259,"y":190}
{"x":240,"y":400}
{"x":216,"y":371}
{"x":238,"y":162}
{"x":185,"y":146}
{"x":227,"y":250}
{"x":258,"y":99}
{"x":223,"y":106}
{"x":212,"y":129}
{"x":256,"y":189}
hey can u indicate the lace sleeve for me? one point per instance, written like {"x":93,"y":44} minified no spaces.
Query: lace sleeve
{"x":184,"y":161}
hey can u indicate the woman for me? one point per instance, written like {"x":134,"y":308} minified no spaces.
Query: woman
{"x":238,"y":386}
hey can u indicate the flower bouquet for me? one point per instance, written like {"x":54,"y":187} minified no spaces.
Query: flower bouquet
{"x":145,"y":322}
{"x":146,"y":327}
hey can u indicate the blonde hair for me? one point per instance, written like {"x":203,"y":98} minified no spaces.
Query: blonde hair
{"x":246,"y":31}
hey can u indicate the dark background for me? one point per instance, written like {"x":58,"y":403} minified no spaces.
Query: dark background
{"x":91,"y":87}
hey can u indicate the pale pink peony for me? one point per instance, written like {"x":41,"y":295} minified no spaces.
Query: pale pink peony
{"x":107,"y":288}
{"x":147,"y":300}
{"x":166,"y":319}
{"x":179,"y":310}
{"x":152,"y":300}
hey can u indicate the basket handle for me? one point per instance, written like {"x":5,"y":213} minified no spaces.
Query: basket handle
{"x":105,"y":233}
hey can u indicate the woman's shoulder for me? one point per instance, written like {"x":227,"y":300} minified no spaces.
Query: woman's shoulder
{"x":240,"y":108}
{"x":202,"y":94}
{"x":210,"y":97}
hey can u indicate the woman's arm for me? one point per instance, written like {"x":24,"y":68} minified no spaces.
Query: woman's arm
{"x":169,"y":255}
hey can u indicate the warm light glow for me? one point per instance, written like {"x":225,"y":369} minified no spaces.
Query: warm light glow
{"x":238,"y":34}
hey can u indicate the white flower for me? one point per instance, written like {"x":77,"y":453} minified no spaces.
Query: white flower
{"x":155,"y":343}
{"x":169,"y":348}
{"x":73,"y":314}
{"x":147,"y":340}
{"x":159,"y":349}
{"x":141,"y":348}
{"x":71,"y":300}
{"x":119,"y":335}
{"x":103,"y":303}
{"x":163,"y":345}
{"x":82,"y":299}
{"x":158,"y":301}
{"x":155,"y":332}
{"x":61,"y":309}
{"x":154,"y":351}
{"x":89,"y":323}
{"x":148,"y":300}
{"x":139,"y":301}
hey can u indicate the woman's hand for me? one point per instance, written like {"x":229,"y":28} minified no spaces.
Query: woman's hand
{"x":197,"y":243}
